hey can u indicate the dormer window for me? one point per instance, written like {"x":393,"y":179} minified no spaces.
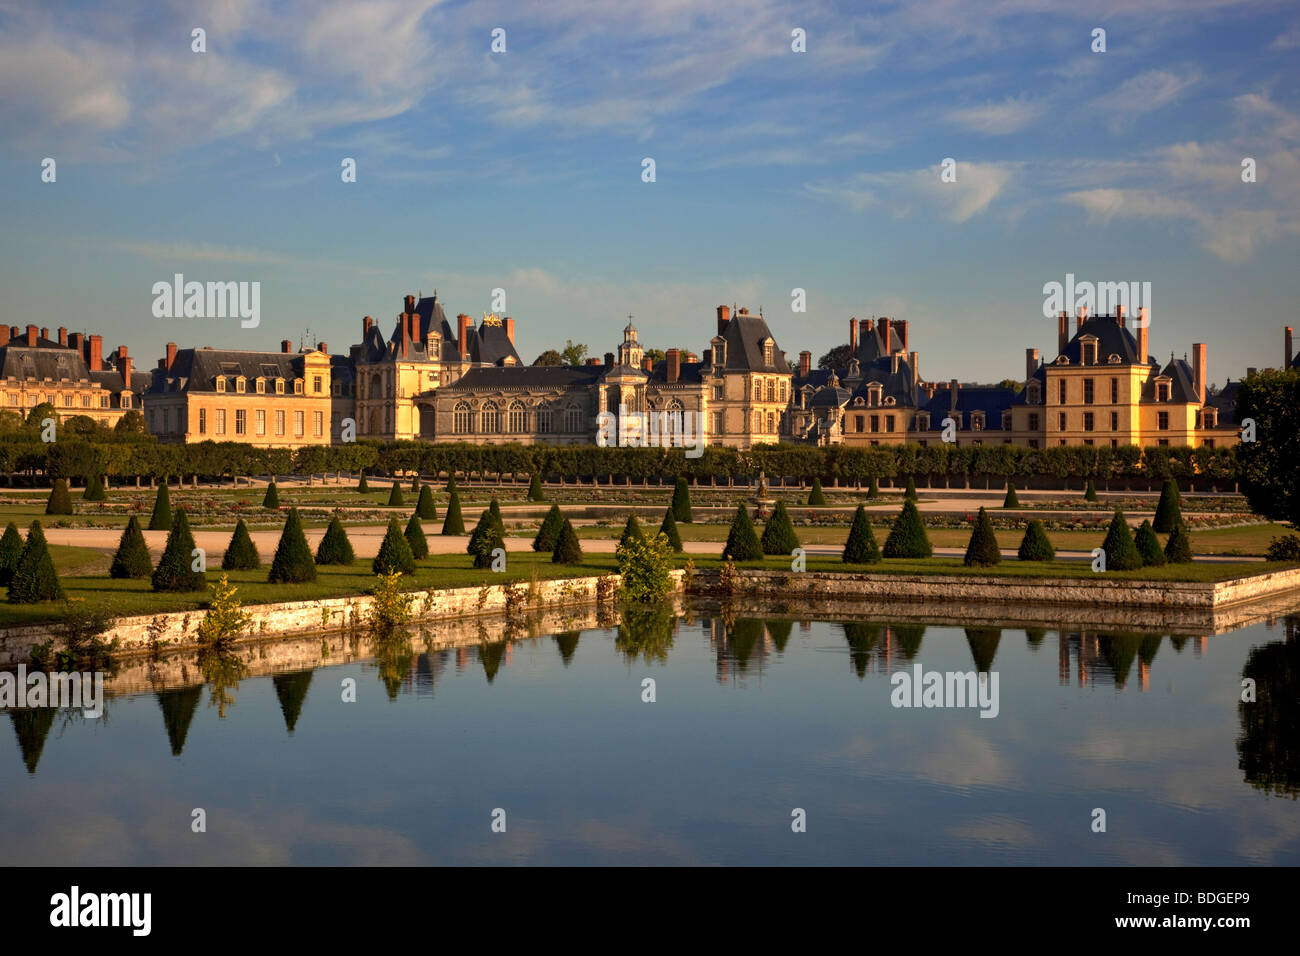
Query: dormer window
{"x":768,"y":348}
{"x":1062,"y":360}
{"x":221,"y":383}
{"x":1089,"y":348}
{"x":241,"y":385}
{"x":923,"y":421}
{"x":874,"y":393}
{"x":1162,"y":391}
{"x":297,"y":386}
{"x":977,"y":421}
{"x":1032,"y":394}
{"x":279,"y":386}
{"x":260,"y":385}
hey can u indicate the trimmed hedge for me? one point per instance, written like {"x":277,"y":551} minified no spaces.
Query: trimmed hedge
{"x":1178,"y":549}
{"x":549,"y":532}
{"x":1121,"y":552}
{"x":293,"y":562}
{"x":271,"y":500}
{"x":59,"y":502}
{"x":454,"y":523}
{"x":161,"y":518}
{"x":425,"y":507}
{"x":362,"y":487}
{"x":95,"y":490}
{"x":815,"y":497}
{"x":132,"y":557}
{"x":568,"y":549}
{"x":11,"y":549}
{"x":335,"y":547}
{"x":1011,"y":501}
{"x":1148,"y":546}
{"x":535,"y":492}
{"x":861,"y":547}
{"x":414,"y":534}
{"x":241,"y":554}
{"x":982,"y":549}
{"x":175,"y":571}
{"x":34,"y":576}
{"x":395,"y":497}
{"x":682,"y":501}
{"x":394,"y":552}
{"x":631,"y":530}
{"x":907,"y":538}
{"x":779,"y":536}
{"x":669,"y":530}
{"x":1035,"y":545}
{"x":742,"y":540}
{"x":484,"y":539}
{"x":1169,"y":513}
{"x":910,"y":493}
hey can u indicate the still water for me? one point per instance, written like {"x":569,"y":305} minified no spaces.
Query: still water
{"x":752,"y":719}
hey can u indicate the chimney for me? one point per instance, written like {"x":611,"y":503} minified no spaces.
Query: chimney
{"x":724,"y":316}
{"x":323,"y":348}
{"x":413,"y":323}
{"x":674,"y":369}
{"x":884,"y":335}
{"x":893,"y":362}
{"x":171,"y":356}
{"x":1289,"y":353}
{"x":4,"y":335}
{"x":1031,"y":363}
{"x":916,"y":374}
{"x":864,"y":329}
{"x":63,"y":336}
{"x":31,"y":336}
{"x":285,"y":345}
{"x":1062,"y":332}
{"x":1080,"y":318}
{"x":593,"y":361}
{"x":409,"y":302}
{"x":647,"y":364}
{"x":366,"y":324}
{"x":1144,"y":327}
{"x":805,"y":363}
{"x":406,"y":335}
{"x":1119,"y":316}
{"x":953,"y":386}
{"x":853,"y":335}
{"x":45,"y":334}
{"x":1200,"y":354}
{"x":96,"y":361}
{"x":510,"y":330}
{"x":609,"y":359}
{"x":124,"y":365}
{"x":462,"y":335}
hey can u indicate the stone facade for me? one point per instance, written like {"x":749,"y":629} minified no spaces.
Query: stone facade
{"x":69,"y":372}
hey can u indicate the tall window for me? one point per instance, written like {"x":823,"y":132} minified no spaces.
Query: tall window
{"x":460,"y":419}
{"x":1114,"y":421}
{"x":203,"y":421}
{"x":297,"y":386}
{"x":771,"y":423}
{"x":298,"y":423}
{"x":1060,"y":391}
{"x":279,"y":421}
{"x":240,"y":386}
{"x":1087,"y":421}
{"x":279,"y":386}
{"x":221,"y":383}
{"x":545,"y":421}
{"x":783,"y":390}
{"x":318,"y":423}
{"x":1060,"y":421}
{"x":1114,"y":391}
{"x":221,"y":421}
{"x":758,"y":390}
{"x":518,"y":418}
{"x":261,"y":386}
{"x":889,"y":423}
{"x":490,"y":419}
{"x":316,"y":383}
{"x":259,"y":421}
{"x":1087,"y":391}
{"x":573,"y":419}
{"x":1164,"y":421}
{"x":719,"y":423}
{"x":241,"y":421}
{"x":771,"y":390}
{"x":1033,"y":421}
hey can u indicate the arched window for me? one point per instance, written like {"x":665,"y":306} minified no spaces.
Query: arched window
{"x":490,"y":419}
{"x":518,"y":418}
{"x":461,"y":419}
{"x":672,"y":427}
{"x":573,"y":419}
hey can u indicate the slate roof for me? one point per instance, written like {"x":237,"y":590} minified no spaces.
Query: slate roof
{"x":744,"y":335}
{"x":196,"y":370}
{"x":527,"y":376}
{"x":50,"y":360}
{"x":871,"y":346}
{"x":1182,"y":390}
{"x":111,"y":379}
{"x":897,"y":385}
{"x":1225,"y":400}
{"x":992,"y":400}
{"x":688,"y":373}
{"x":1112,"y":339}
{"x":488,"y":344}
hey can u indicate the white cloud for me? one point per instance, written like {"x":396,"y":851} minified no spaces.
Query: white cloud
{"x":1009,"y":116}
{"x":1144,"y":93}
{"x":976,"y":187}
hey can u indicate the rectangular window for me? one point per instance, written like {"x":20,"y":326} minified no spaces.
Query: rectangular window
{"x":719,"y":424}
{"x":298,"y":423}
{"x":316,"y":383}
{"x":1114,"y":421}
{"x":13,"y":398}
{"x":1060,"y":391}
{"x":1087,"y":441}
{"x":1033,"y":421}
{"x":1164,"y":421}
{"x":259,"y":421}
{"x":103,"y":401}
{"x":85,"y":401}
{"x":783,"y":390}
{"x":717,"y":393}
{"x":1114,"y":391}
{"x":1087,"y":421}
{"x":318,"y":423}
{"x":221,"y":421}
{"x":167,"y":419}
{"x":1060,"y":422}
{"x":279,"y":422}
{"x":1087,"y":391}
{"x":875,"y":423}
{"x":771,"y":389}
{"x":1033,"y":443}
{"x":1163,"y":442}
{"x":241,"y":422}
{"x":758,"y":390}
{"x":889,"y":423}
{"x":203,"y":421}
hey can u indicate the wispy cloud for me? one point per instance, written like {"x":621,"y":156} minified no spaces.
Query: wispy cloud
{"x":180,"y":253}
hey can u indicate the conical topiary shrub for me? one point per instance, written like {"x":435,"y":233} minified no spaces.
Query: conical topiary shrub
{"x":425,"y":507}
{"x":453,"y":523}
{"x":544,"y":543}
{"x":568,"y":550}
{"x":742,"y":540}
{"x":335,"y":548}
{"x":535,"y":488}
{"x":1011,"y":501}
{"x":669,"y":530}
{"x":132,"y":558}
{"x":910,"y":493}
{"x":94,"y":489}
{"x":271,"y":500}
{"x":873,"y":490}
{"x":494,"y":509}
{"x":34,"y":577}
{"x":241,"y":554}
{"x":682,"y":501}
{"x":395,"y":497}
{"x":59,"y":502}
{"x":11,"y":549}
{"x":778,"y":535}
{"x":907,"y":538}
{"x":175,"y":571}
{"x":293,"y":562}
{"x":1121,"y":552}
{"x":631,"y":530}
{"x":362,"y":487}
{"x":1178,"y":549}
{"x":415,"y":484}
{"x":484,"y":539}
{"x":394,"y":552}
{"x":982,"y":550}
{"x":1148,"y":546}
{"x":161,"y":518}
{"x":1090,"y":492}
{"x":1035,"y":545}
{"x":1169,"y":512}
{"x":414,"y":534}
{"x":861,"y":547}
{"x":815,"y":497}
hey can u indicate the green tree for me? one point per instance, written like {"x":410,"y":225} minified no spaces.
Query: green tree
{"x":982,"y":550}
{"x":494,"y":509}
{"x":362,"y":487}
{"x":415,"y":484}
{"x":414,"y":534}
{"x":549,"y":358}
{"x":293,"y":563}
{"x":568,"y":550}
{"x":132,"y":558}
{"x":161,"y":518}
{"x":225,"y":620}
{"x":94,"y":489}
{"x":484,"y":539}
{"x":175,"y":571}
{"x":1011,"y":501}
{"x":1269,"y":467}
{"x":1169,"y":511}
{"x":425,"y":507}
{"x":573,"y":352}
{"x":271,"y":500}
{"x":1121,"y":552}
{"x":453,"y":523}
{"x":11,"y":549}
{"x":815,"y":497}
{"x":779,"y":536}
{"x":1090,"y":492}
{"x":907,"y":538}
{"x":631,"y":529}
{"x":669,"y":530}
{"x":241,"y":554}
{"x":535,"y":492}
{"x":394,"y":552}
{"x":34,"y":577}
{"x":742,"y":539}
{"x":335,"y":548}
{"x":682,"y":501}
{"x":395,"y":497}
{"x":1035,"y":545}
{"x":59,"y":502}
{"x":544,"y":543}
{"x":1178,"y":549}
{"x":910,"y":493}
{"x":874,"y":490}
{"x":645,"y":565}
{"x":131,"y":423}
{"x":1148,"y":545}
{"x":861,"y":547}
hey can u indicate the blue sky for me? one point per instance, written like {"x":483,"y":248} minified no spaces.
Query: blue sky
{"x":775,"y":169}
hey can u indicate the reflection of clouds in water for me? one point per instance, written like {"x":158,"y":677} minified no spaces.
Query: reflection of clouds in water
{"x":952,"y":757}
{"x":996,"y":832}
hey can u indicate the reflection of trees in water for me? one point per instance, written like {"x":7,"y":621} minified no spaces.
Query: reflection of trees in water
{"x":490,"y":656}
{"x":178,"y":707}
{"x":567,"y":643}
{"x":32,"y":725}
{"x":779,"y":631}
{"x":909,"y":638}
{"x":743,"y":638}
{"x":291,"y":690}
{"x":646,"y":631}
{"x":1035,"y":635}
{"x":983,"y":643}
{"x":1118,"y":651}
{"x":1268,"y":749}
{"x":1177,"y":642}
{"x":862,"y":637}
{"x":393,"y":656}
{"x":223,"y":670}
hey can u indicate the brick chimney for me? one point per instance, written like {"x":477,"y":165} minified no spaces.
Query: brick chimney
{"x":413,"y":323}
{"x":1119,"y":316}
{"x":31,"y":336}
{"x":1062,"y":332}
{"x":77,"y":340}
{"x":805,"y":363}
{"x":865,"y":327}
{"x":674,"y":365}
{"x":409,"y":303}
{"x":1200,"y":354}
{"x":893,"y":362}
{"x":1031,"y":362}
{"x":406,"y":335}
{"x":323,"y":348}
{"x":853,"y":335}
{"x":285,"y":345}
{"x":885,"y":325}
{"x":1144,"y":329}
{"x":1289,"y":352}
{"x":593,"y":361}
{"x":462,"y":335}
{"x":4,"y":335}
{"x":609,"y":359}
{"x":1080,"y":318}
{"x":96,"y":360}
{"x":900,"y":325}
{"x":63,"y":336}
{"x":510,"y":329}
{"x":647,"y":364}
{"x":953,"y":387}
{"x":916,"y":368}
{"x":124,"y":365}
{"x":45,"y":334}
{"x":366,"y":323}
{"x":171,"y":356}
{"x":724,"y":316}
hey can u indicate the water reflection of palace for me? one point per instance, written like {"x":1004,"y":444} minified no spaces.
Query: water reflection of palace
{"x":1096,"y":658}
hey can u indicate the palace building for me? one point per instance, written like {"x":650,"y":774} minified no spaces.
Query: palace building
{"x":68,"y":372}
